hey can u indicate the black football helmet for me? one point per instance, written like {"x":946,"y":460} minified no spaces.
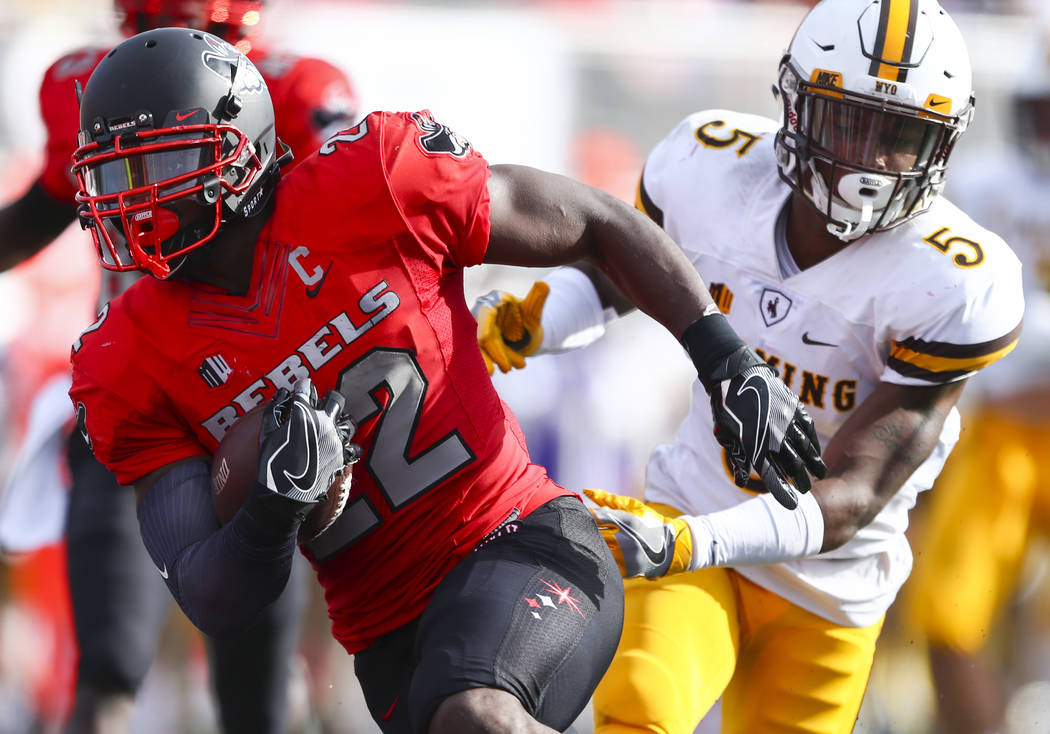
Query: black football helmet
{"x":176,"y":139}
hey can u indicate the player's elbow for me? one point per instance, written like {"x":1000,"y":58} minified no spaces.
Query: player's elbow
{"x":222,"y":609}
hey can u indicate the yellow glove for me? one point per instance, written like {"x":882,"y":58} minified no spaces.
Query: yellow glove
{"x":643,"y":542}
{"x":508,"y":328}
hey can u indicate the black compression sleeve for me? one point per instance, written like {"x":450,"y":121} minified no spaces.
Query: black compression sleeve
{"x":30,"y":223}
{"x":220,"y":576}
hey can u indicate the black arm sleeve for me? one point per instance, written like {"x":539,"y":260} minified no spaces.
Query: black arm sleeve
{"x":220,"y":576}
{"x":31,"y":222}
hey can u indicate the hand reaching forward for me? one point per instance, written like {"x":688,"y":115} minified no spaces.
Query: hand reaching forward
{"x":643,"y":542}
{"x":509,"y":328}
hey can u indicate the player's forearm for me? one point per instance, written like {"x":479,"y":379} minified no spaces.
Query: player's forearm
{"x":875,"y":452}
{"x":871,"y":466}
{"x":30,"y":223}
{"x":221,"y":577}
{"x":647,"y":268}
{"x":756,"y":532}
{"x":544,"y":220}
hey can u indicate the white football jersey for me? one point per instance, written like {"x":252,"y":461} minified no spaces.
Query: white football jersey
{"x":1009,"y":193}
{"x":930,"y":301}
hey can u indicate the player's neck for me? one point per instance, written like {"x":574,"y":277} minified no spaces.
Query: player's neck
{"x":227,"y":261}
{"x":808,"y":237}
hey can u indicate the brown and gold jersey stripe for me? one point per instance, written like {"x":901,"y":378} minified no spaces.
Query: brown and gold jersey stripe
{"x":942,"y":362}
{"x":645,"y":204}
{"x":894,"y":39}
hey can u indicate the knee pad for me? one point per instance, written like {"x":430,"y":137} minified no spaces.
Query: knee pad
{"x":642,"y":692}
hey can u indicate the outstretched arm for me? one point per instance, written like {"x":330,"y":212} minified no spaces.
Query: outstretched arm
{"x":30,"y":223}
{"x":871,"y":456}
{"x":541,"y":219}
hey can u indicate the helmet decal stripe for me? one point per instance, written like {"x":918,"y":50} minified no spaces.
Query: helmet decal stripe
{"x":893,"y":43}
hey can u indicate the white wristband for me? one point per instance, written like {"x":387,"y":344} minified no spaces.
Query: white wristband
{"x":756,"y":532}
{"x":573,"y":316}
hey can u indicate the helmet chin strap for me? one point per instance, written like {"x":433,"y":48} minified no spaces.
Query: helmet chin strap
{"x":849,"y":231}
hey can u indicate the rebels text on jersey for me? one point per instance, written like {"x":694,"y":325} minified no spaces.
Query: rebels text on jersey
{"x":358,"y":283}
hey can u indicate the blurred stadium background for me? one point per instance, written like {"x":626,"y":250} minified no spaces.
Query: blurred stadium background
{"x":582,"y":87}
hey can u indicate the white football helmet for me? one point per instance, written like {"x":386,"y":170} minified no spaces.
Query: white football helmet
{"x":875,"y":94}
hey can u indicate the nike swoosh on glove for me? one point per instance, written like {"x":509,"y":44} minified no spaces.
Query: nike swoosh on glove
{"x":758,"y":420}
{"x":303,"y":445}
{"x":643,"y":541}
{"x":509,"y":328}
{"x":762,"y":424}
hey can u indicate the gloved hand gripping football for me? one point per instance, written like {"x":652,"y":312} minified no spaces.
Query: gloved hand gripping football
{"x":509,"y":328}
{"x":303,"y":446}
{"x":758,"y":420}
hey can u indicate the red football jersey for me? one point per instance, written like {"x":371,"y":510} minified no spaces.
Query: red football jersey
{"x":357,"y":282}
{"x":311,"y":100}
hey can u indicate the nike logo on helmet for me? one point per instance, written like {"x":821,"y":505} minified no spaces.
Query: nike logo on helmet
{"x":806,"y":340}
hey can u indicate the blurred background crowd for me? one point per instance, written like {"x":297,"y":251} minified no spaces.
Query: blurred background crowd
{"x":581,"y":87}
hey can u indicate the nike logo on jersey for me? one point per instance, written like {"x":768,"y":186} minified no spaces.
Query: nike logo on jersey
{"x":807,"y":340}
{"x":312,"y":292}
{"x":163,"y":571}
{"x":313,"y":280}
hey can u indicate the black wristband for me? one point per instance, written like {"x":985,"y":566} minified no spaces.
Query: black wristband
{"x":274,"y":512}
{"x":709,"y":340}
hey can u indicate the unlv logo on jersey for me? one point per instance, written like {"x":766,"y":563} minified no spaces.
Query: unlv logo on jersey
{"x":214,"y":370}
{"x":439,"y":138}
{"x":774,"y":306}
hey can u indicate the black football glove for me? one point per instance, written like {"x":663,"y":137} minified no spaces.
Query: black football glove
{"x":758,"y":420}
{"x":303,"y":445}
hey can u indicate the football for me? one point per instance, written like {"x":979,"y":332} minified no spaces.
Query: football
{"x":235,"y":467}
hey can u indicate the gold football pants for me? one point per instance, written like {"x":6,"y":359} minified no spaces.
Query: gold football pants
{"x":692,"y":637}
{"x":991,"y":498}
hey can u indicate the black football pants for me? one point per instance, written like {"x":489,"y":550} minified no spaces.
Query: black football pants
{"x":535,"y":610}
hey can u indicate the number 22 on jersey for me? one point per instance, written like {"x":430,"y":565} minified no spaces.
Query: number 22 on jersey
{"x":399,"y":477}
